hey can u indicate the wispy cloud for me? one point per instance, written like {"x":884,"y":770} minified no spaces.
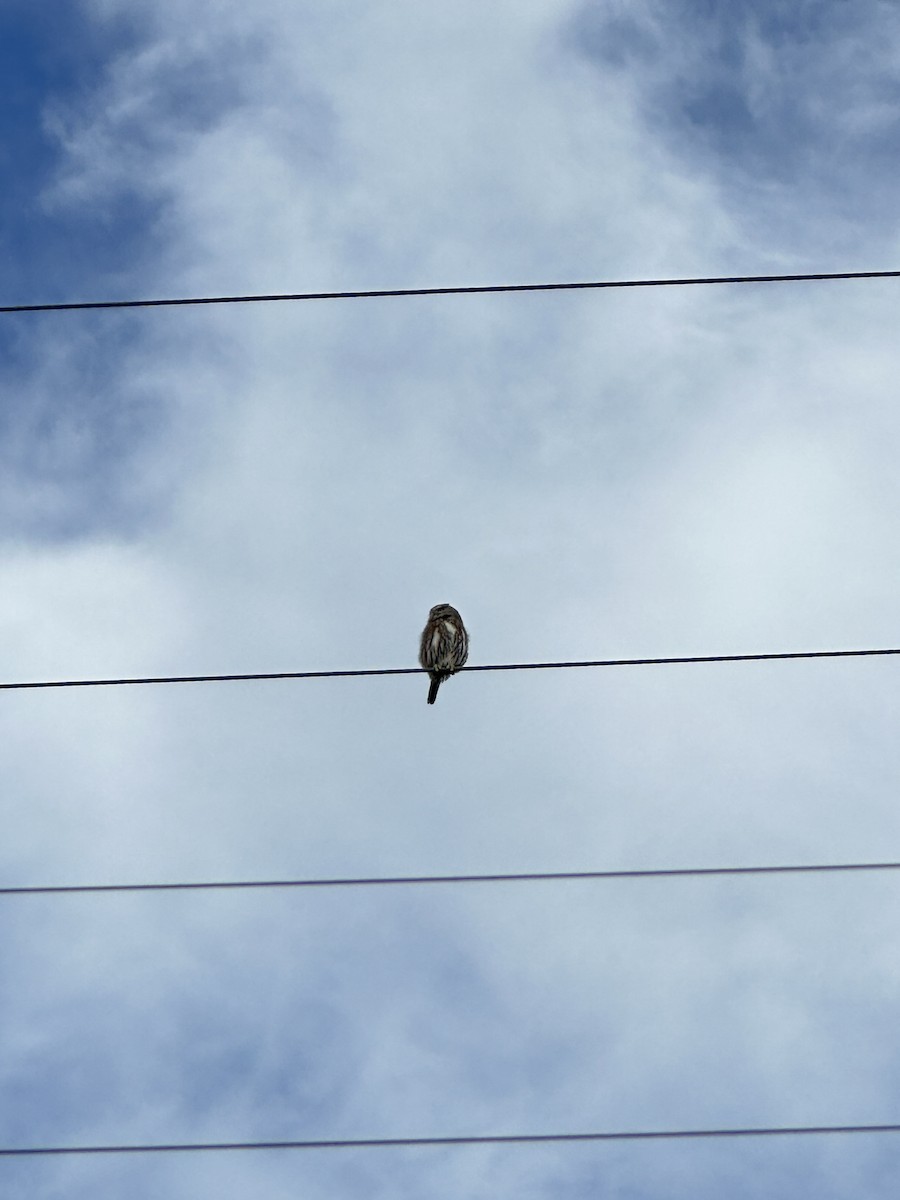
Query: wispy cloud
{"x":293,"y":486}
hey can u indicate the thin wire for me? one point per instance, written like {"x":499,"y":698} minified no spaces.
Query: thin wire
{"x":542,"y":666}
{"x":480,"y":289}
{"x":489,"y":1140}
{"x":416,"y":880}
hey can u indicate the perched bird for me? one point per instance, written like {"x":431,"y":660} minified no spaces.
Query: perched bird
{"x":444,"y":647}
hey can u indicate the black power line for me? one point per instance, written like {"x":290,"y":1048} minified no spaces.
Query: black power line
{"x":643,"y":1135}
{"x":415,"y":880}
{"x":477,"y":290}
{"x":539,"y":666}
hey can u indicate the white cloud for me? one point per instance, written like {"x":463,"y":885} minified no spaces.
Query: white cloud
{"x":590,"y":475}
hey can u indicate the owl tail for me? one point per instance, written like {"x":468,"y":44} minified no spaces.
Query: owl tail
{"x":433,"y":690}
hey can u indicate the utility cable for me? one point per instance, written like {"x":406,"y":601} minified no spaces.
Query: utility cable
{"x":476,"y":290}
{"x":536,"y":666}
{"x":417,"y":880}
{"x":644,"y":1135}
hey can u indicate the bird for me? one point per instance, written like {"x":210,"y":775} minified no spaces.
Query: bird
{"x":444,"y":646}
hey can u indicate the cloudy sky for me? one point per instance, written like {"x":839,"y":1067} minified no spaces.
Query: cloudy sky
{"x":584,"y":475}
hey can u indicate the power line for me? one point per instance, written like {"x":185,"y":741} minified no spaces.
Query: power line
{"x":644,"y":1135}
{"x":416,"y":880}
{"x":478,"y":289}
{"x":535,"y":666}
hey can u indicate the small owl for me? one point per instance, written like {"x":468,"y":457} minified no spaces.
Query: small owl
{"x":444,"y":647}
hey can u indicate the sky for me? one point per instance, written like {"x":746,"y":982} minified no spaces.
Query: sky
{"x":584,"y":475}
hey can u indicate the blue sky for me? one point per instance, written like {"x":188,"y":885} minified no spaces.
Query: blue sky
{"x":61,"y":430}
{"x":793,"y":105}
{"x":692,"y":471}
{"x":54,"y":60}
